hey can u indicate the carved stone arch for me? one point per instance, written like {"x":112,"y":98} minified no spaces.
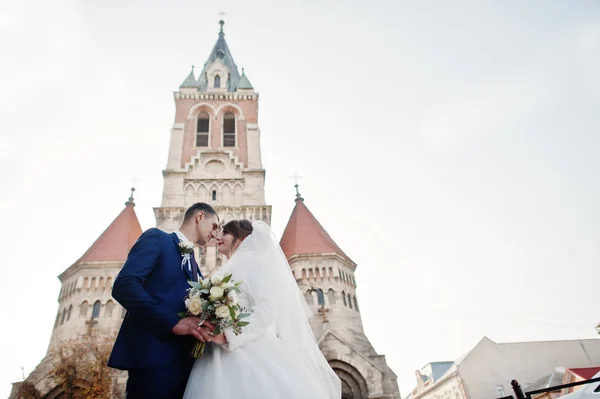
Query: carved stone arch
{"x":202,"y":193}
{"x":331,"y":296}
{"x":206,"y":107}
{"x":189,"y":195}
{"x":214,"y":167}
{"x":238,"y":194}
{"x":230,"y":107}
{"x":226,"y":194}
{"x":354,"y":385}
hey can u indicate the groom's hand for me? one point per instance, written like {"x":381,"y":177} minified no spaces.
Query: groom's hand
{"x":189,"y":326}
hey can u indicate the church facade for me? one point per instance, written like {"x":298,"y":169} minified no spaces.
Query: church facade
{"x":214,"y":156}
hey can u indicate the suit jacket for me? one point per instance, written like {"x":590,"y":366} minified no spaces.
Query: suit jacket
{"x":151,"y":286}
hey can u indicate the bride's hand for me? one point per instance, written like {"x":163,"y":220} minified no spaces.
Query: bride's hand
{"x":219,"y":339}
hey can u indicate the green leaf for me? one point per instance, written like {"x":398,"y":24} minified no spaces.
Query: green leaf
{"x":217,"y":330}
{"x":232,"y":312}
{"x":242,"y":323}
{"x":195,"y":285}
{"x":243,"y":315}
{"x":227,"y":278}
{"x":182,"y":314}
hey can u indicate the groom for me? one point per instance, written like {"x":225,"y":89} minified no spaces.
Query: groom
{"x":154,"y":344}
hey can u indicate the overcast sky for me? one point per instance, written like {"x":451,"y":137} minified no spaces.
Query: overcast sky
{"x":450,"y":148}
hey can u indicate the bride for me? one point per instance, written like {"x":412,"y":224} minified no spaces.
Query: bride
{"x":276,"y":355}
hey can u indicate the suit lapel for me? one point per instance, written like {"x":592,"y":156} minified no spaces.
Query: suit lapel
{"x":185,"y":267}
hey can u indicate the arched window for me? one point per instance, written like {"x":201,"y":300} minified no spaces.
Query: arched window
{"x":96,"y":310}
{"x":350,"y":301}
{"x":109,"y":283}
{"x":320,"y":297}
{"x":86,"y":283}
{"x":310,"y":274}
{"x":108,"y":309}
{"x":228,"y":130}
{"x":62,"y":318}
{"x":331,"y":273}
{"x":57,"y":319}
{"x":202,"y":130}
{"x":356,"y":304}
{"x":331,"y":295}
{"x":93,"y":284}
{"x":303,"y":274}
{"x":101,"y":284}
{"x":69,"y":312}
{"x":308,"y":297}
{"x":344,"y":298}
{"x":214,"y":195}
{"x":317,"y":273}
{"x":217,"y":82}
{"x":83,"y":309}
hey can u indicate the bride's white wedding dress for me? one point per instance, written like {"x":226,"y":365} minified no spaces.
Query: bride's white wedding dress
{"x":276,"y":356}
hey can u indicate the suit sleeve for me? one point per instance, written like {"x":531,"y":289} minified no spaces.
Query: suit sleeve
{"x":128,"y":288}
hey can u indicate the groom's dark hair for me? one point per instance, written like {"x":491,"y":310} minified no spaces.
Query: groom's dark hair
{"x":197,"y":207}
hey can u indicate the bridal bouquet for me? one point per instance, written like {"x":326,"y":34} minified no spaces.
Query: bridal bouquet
{"x":215,"y":300}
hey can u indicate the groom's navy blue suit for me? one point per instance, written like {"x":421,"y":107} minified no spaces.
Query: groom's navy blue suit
{"x":151,"y":287}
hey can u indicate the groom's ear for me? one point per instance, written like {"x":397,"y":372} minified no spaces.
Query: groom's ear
{"x":199,"y":216}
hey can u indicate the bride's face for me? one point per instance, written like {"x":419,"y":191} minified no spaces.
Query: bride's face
{"x":225,"y":242}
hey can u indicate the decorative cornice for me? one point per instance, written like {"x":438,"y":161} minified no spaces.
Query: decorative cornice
{"x":335,"y":255}
{"x":178,"y":95}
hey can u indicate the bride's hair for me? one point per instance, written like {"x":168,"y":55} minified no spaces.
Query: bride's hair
{"x":239,"y":229}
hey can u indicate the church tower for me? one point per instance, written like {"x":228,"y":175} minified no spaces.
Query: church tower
{"x":214,"y":153}
{"x":85,"y":301}
{"x":325,"y":274}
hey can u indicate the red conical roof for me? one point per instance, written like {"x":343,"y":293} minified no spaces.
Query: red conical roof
{"x":305,"y":235}
{"x":116,"y":241}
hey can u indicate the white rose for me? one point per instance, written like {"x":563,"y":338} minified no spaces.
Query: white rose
{"x":216,"y":280}
{"x":194,"y":305}
{"x":222,"y":312}
{"x":216,"y":293}
{"x":232,"y":298}
{"x":205,"y":283}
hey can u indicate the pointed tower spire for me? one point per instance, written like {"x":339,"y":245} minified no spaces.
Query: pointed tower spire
{"x":304,"y":235}
{"x":221,"y":55}
{"x":118,"y":238}
{"x":190,"y":81}
{"x":244,"y":83}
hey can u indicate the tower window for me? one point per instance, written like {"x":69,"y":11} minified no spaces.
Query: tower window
{"x":217,"y":82}
{"x":96,"y":310}
{"x":214,"y":195}
{"x":344,"y":297}
{"x":202,"y":130}
{"x":350,"y":301}
{"x":228,"y":130}
{"x":356,"y":304}
{"x":320,"y":297}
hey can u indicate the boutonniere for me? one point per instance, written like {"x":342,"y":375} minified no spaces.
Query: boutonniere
{"x":186,"y":248}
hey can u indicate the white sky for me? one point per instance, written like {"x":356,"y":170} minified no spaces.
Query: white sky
{"x":450,"y":148}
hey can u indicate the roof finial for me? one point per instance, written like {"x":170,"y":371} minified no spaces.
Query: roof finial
{"x":192,"y":68}
{"x":130,"y":201}
{"x":221,"y":22}
{"x":296,"y":177}
{"x":243,"y":71}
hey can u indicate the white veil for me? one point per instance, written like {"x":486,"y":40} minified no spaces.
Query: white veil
{"x":265,"y":270}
